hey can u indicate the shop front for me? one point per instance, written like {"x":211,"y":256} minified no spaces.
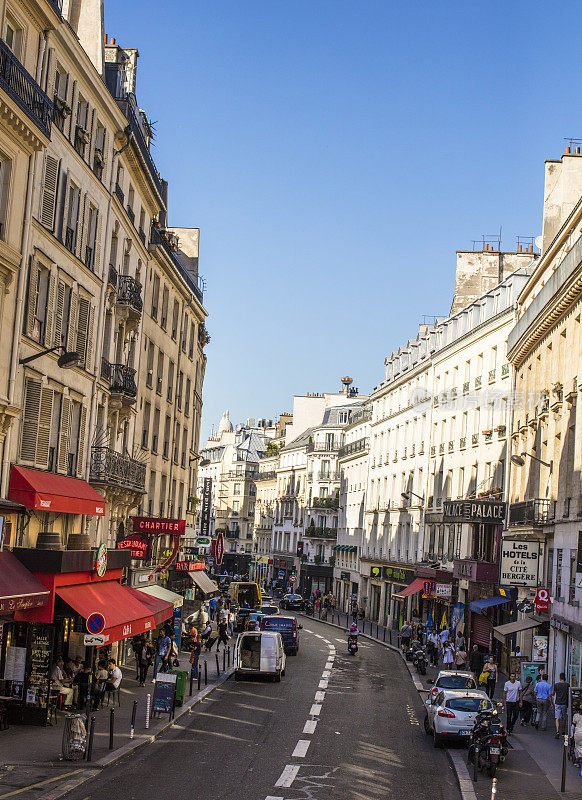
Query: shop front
{"x":346,"y":589}
{"x":566,"y":649}
{"x":283,"y":568}
{"x":315,"y":577}
{"x":380,"y":587}
{"x":489,"y":608}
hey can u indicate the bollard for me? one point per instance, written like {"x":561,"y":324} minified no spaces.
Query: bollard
{"x":148,"y":706}
{"x":229,"y":656}
{"x":217,"y":665}
{"x":493,"y":788}
{"x":89,"y":753}
{"x":199,"y":677}
{"x":384,"y":635}
{"x":205,"y":673}
{"x":133,"y":713}
{"x":111,"y":726}
{"x":191,"y":682}
{"x":476,"y":764}
{"x":564,"y":760}
{"x":224,"y":660}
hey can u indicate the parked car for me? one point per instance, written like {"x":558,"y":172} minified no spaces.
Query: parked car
{"x":252,"y":619}
{"x":292,"y":602}
{"x":267,"y":610}
{"x":287,"y":627}
{"x":453,"y":679}
{"x":452,"y":713}
{"x":278,"y":592}
{"x":259,"y":653}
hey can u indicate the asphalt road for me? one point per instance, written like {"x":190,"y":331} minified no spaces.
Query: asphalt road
{"x":337,"y":727}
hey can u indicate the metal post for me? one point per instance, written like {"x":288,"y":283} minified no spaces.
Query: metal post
{"x":564,"y":760}
{"x":148,"y":707}
{"x":191,"y":682}
{"x":217,"y":665}
{"x":199,"y":677}
{"x":224,"y":660}
{"x":89,"y":753}
{"x":111,"y":726}
{"x":229,"y":656}
{"x":133,"y":714}
{"x":384,"y":635}
{"x":205,"y":673}
{"x":493,"y":788}
{"x":476,"y":764}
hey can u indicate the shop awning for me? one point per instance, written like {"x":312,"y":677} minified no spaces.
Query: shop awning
{"x":45,"y":491}
{"x":203,"y":582}
{"x":19,"y":589}
{"x":501,"y":631}
{"x":161,"y":610}
{"x":478,"y":606}
{"x":415,"y":587}
{"x":163,"y":594}
{"x":125,"y":615}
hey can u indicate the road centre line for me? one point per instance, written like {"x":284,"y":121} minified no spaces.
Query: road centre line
{"x":301,"y":748}
{"x":310,"y":726}
{"x":288,"y":775}
{"x":323,"y":684}
{"x":326,"y":673}
{"x":319,"y":697}
{"x":315,"y":710}
{"x":270,"y":797}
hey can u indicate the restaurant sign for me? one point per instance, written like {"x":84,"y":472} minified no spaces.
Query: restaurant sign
{"x":488,"y":511}
{"x":136,"y":544}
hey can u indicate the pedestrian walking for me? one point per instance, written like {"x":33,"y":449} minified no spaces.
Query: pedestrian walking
{"x":136,"y":646}
{"x":512,"y":700}
{"x":490,"y":673}
{"x":527,"y":701}
{"x":432,"y":646}
{"x":459,"y":641}
{"x":476,"y":661}
{"x":577,"y":725}
{"x":195,"y":650}
{"x":460,"y":658}
{"x":163,"y":652}
{"x":543,"y":693}
{"x":561,"y":696}
{"x":448,"y":655}
{"x":222,"y":633}
{"x":405,"y":635}
{"x":444,"y":635}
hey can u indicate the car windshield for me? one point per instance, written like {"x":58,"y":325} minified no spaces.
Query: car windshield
{"x":277,"y":624}
{"x":293,"y":597}
{"x":456,"y":682}
{"x":468,"y":704}
{"x":269,"y":610}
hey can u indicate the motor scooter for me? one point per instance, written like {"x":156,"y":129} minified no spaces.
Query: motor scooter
{"x":352,"y":643}
{"x":420,"y":661}
{"x":309,"y":608}
{"x":488,"y":743}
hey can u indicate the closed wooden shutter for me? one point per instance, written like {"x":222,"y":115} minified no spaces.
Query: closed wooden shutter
{"x":50,"y":309}
{"x":82,"y":323}
{"x":89,"y":357}
{"x":97,"y":244}
{"x":72,"y":332}
{"x":81,"y":227}
{"x":31,"y":295}
{"x":44,"y":427}
{"x":48,"y":196}
{"x":481,"y":630}
{"x":59,"y":310}
{"x":64,"y":434}
{"x":61,"y":222}
{"x":81,"y":444}
{"x":29,"y":429}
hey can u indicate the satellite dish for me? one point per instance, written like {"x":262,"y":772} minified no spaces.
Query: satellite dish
{"x":539,"y":241}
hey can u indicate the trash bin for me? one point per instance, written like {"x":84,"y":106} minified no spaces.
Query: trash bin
{"x":75,"y":737}
{"x":181,"y":682}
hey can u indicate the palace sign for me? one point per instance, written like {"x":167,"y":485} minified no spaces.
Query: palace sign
{"x":473,"y":511}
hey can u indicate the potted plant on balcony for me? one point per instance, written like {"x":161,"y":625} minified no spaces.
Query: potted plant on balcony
{"x":203,"y":336}
{"x":62,"y":109}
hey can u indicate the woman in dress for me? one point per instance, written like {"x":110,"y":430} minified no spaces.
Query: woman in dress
{"x":448,"y":655}
{"x":577,"y":724}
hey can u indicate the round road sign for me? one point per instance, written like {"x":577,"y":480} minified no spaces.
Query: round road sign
{"x":95,"y":622}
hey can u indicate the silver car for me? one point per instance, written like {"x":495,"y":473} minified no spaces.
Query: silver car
{"x":451,"y":714}
{"x":453,"y":679}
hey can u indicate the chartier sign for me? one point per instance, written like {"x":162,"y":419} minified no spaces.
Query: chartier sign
{"x":488,"y":511}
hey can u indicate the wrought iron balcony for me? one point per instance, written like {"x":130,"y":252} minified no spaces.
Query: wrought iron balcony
{"x":320,"y":533}
{"x":329,"y":503}
{"x":24,"y":90}
{"x":112,"y":276}
{"x":323,"y":447}
{"x":119,"y":193}
{"x":265,"y":476}
{"x":116,"y":469}
{"x":161,"y":238}
{"x":141,"y":143}
{"x":121,"y":379}
{"x":531,"y":512}
{"x":129,"y":293}
{"x":354,"y":447}
{"x":328,"y":476}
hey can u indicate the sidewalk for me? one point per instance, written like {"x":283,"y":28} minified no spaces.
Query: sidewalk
{"x":545,"y":751}
{"x":30,"y":756}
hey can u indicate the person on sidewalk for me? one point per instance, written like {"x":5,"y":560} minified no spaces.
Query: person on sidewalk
{"x":561,"y":697}
{"x":511,"y":698}
{"x":60,"y":682}
{"x":543,"y":693}
{"x":405,"y":636}
{"x":527,"y":700}
{"x":163,"y":650}
{"x":222,"y":633}
{"x":491,"y":669}
{"x":432,"y":645}
{"x":136,"y":645}
{"x":577,"y":724}
{"x":448,"y":655}
{"x":113,"y":681}
{"x":195,"y":651}
{"x":461,"y":657}
{"x":476,"y":661}
{"x":146,"y":655}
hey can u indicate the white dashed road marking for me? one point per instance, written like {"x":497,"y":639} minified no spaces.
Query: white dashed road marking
{"x":326,"y":673}
{"x":301,"y":748}
{"x":270,"y":797}
{"x":323,"y":684}
{"x":315,"y":710}
{"x":288,"y":775}
{"x":310,"y":726}
{"x":319,"y":697}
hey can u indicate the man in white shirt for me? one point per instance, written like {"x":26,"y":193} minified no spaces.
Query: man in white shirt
{"x":59,"y":681}
{"x":115,"y":676}
{"x":511,"y":698}
{"x":433,"y":648}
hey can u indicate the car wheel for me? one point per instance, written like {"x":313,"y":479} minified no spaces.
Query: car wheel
{"x":427,"y":726}
{"x":237,"y":676}
{"x":437,"y":740}
{"x":283,"y":672}
{"x":492,"y":769}
{"x":278,"y":677}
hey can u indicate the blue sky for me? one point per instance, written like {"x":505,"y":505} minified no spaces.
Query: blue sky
{"x":334,"y":155}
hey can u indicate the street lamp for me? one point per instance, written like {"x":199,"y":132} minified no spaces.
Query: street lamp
{"x":406,"y":496}
{"x":519,"y":461}
{"x":68,"y":359}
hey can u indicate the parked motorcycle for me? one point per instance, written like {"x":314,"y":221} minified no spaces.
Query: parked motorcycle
{"x":309,"y":608}
{"x":352,"y":643}
{"x":411,"y":649}
{"x":420,"y":661}
{"x":488,"y":743}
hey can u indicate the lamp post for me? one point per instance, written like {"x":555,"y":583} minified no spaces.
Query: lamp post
{"x":519,"y":461}
{"x":68,"y":358}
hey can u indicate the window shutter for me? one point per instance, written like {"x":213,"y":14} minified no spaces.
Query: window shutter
{"x":29,"y":429}
{"x":31,"y":295}
{"x":82,"y":322}
{"x":72,"y":332}
{"x":81,"y":444}
{"x":73,"y":114}
{"x":61,"y":222}
{"x":50,"y":72}
{"x":64,"y":434}
{"x":89,"y":358}
{"x":97,"y":245}
{"x":44,"y":427}
{"x":59,"y":309}
{"x":50,"y":309}
{"x":81,"y":232}
{"x":48,"y":196}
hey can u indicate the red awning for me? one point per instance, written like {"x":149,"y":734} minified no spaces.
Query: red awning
{"x":415,"y":587}
{"x":19,"y":589}
{"x":45,"y":491}
{"x":160,"y":609}
{"x":124,"y":614}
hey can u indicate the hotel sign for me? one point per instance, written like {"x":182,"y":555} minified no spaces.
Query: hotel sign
{"x":521,"y":563}
{"x":488,"y":511}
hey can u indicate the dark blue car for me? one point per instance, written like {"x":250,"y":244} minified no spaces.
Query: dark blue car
{"x":287,"y":627}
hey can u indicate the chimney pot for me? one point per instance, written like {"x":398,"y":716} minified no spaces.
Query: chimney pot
{"x":567,"y":150}
{"x":106,"y":38}
{"x":519,"y":248}
{"x":113,"y":41}
{"x":578,"y":151}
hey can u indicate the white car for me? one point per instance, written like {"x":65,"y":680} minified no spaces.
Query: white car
{"x":451,"y":714}
{"x":453,"y":679}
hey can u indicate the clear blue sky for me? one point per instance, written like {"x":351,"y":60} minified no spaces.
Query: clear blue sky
{"x":334,"y":155}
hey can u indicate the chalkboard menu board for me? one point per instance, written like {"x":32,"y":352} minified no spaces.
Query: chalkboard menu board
{"x":164,"y":693}
{"x":37,"y":689}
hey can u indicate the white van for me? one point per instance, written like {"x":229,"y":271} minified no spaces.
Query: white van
{"x":259,"y":653}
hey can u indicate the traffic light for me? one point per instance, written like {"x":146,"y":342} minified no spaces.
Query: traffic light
{"x":299,"y":548}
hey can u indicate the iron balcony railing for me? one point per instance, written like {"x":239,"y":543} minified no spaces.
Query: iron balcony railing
{"x":117,"y":469}
{"x":24,"y":90}
{"x":324,"y":502}
{"x":531,"y":512}
{"x":320,"y":533}
{"x":140,"y":140}
{"x":158,"y":238}
{"x":112,"y":276}
{"x":121,"y":378}
{"x":119,"y":193}
{"x":57,"y":5}
{"x":129,"y":292}
{"x":354,"y":447}
{"x":265,"y":476}
{"x":328,"y":476}
{"x":323,"y":447}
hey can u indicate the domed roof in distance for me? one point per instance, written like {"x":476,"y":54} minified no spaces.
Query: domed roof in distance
{"x":225,"y":424}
